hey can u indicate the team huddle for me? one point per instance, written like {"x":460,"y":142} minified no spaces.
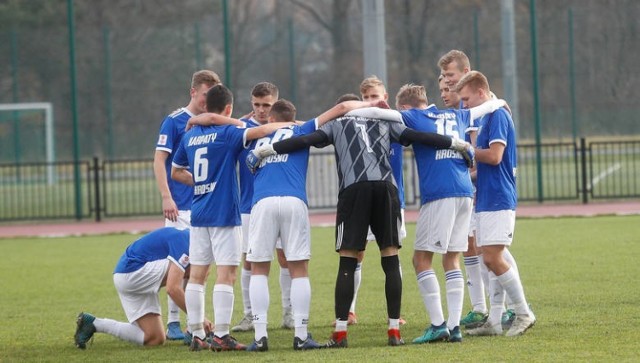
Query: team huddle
{"x":234,"y":194}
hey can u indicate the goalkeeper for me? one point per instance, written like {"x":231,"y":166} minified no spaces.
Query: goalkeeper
{"x":368,"y":196}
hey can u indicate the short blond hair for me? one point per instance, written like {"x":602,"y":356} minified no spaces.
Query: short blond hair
{"x":475,"y":81}
{"x":370,"y":82}
{"x":210,"y":78}
{"x":411,"y":95}
{"x":457,"y":56}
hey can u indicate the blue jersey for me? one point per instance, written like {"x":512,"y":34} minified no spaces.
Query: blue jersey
{"x":283,"y":175}
{"x":164,"y":243}
{"x":246,"y":177}
{"x":211,"y":153}
{"x":496,"y":184}
{"x":171,"y":133}
{"x":442,"y":173}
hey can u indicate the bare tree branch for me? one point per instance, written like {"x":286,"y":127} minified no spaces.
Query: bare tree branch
{"x":311,"y":11}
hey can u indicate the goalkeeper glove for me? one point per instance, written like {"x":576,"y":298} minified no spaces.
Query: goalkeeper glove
{"x":465,"y":149}
{"x":256,"y":155}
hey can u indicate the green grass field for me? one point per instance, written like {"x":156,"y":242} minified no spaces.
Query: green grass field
{"x":579,"y":275}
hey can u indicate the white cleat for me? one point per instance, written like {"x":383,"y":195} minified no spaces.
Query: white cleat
{"x":246,"y":324}
{"x":287,"y":319}
{"x":485,"y":330}
{"x":521,"y":324}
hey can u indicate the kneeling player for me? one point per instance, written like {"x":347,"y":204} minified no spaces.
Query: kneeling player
{"x":160,"y":258}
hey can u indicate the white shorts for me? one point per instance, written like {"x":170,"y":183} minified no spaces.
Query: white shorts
{"x":443,"y":225}
{"x":402,"y":233}
{"x":495,"y":228}
{"x":183,"y":222}
{"x":219,"y":245}
{"x":246,"y":218}
{"x":284,"y":217}
{"x":138,"y":290}
{"x":472,"y":224}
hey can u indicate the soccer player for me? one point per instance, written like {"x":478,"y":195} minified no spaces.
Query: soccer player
{"x":176,"y":197}
{"x":210,"y":152}
{"x":368,"y":198}
{"x":446,"y":199}
{"x":157,"y":259}
{"x":372,"y":89}
{"x":453,"y":66}
{"x":280,"y":210}
{"x":263,"y":96}
{"x":283,"y":179}
{"x":495,"y":207}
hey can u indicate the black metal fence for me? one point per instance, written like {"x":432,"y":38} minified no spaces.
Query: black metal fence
{"x":123,"y":188}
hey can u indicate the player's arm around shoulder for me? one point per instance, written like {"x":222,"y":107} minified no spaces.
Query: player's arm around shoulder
{"x":485,"y":108}
{"x":342,"y":109}
{"x":378,"y":113}
{"x":264,"y":130}
{"x":210,"y":119}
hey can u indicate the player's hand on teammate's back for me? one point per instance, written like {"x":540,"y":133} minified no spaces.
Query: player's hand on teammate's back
{"x":465,"y":149}
{"x":252,"y":161}
{"x":458,"y":144}
{"x":469,"y":156}
{"x":256,"y":155}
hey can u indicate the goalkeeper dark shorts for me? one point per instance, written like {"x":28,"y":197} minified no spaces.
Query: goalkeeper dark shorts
{"x":364,"y":204}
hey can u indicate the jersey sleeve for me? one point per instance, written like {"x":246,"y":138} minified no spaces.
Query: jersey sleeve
{"x":329,"y":130}
{"x":408,"y":119}
{"x":396,"y":129}
{"x":307,"y":128}
{"x":167,"y":136}
{"x":499,"y":127}
{"x":179,"y":248}
{"x":238,"y":137}
{"x":377,"y":113}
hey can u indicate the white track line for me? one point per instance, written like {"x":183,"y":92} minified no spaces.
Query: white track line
{"x":604,"y":174}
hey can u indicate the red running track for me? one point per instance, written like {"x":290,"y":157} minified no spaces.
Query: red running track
{"x":137,"y":225}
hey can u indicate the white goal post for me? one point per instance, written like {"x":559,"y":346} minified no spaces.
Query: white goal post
{"x":47,"y":107}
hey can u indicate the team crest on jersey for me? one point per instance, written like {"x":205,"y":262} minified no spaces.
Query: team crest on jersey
{"x":184,"y":260}
{"x":162,"y":139}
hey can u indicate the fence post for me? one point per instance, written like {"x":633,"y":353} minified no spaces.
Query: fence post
{"x":96,"y":186}
{"x":583,"y":164}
